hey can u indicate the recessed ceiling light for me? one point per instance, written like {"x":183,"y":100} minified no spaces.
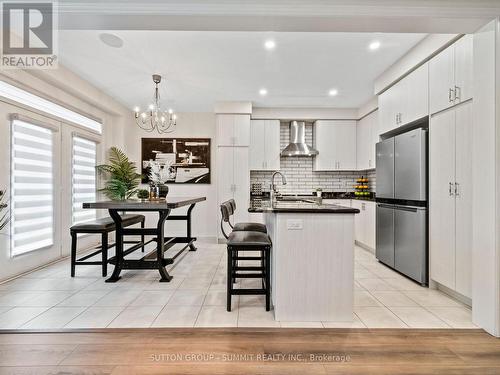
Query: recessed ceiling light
{"x":111,"y":40}
{"x":374,"y":45}
{"x":333,"y":92}
{"x":263,"y":92}
{"x":270,"y":44}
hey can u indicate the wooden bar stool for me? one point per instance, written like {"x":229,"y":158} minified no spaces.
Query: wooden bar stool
{"x":102,"y":226}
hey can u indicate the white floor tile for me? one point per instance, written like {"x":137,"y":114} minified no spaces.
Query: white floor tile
{"x":153,"y":298}
{"x":56,"y":317}
{"x":196,"y":283}
{"x":402,"y":283}
{"x":456,"y":317}
{"x":95,"y":317}
{"x":364,"y":298}
{"x":217,"y":316}
{"x":374,"y":284}
{"x":378,"y":317}
{"x":219,"y":298}
{"x":187,"y":298}
{"x":393,"y":298}
{"x":136,"y":317}
{"x":15,"y":298}
{"x":418,"y":317}
{"x":84,"y":298}
{"x":177,"y":316}
{"x":356,"y":323}
{"x":118,"y":298}
{"x":17,"y":316}
{"x":46,"y":299}
{"x":432,"y":298}
{"x":256,"y":316}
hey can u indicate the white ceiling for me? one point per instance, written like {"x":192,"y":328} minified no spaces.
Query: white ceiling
{"x":200,"y":68}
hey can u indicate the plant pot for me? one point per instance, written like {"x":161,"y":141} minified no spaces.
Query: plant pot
{"x":162,"y":190}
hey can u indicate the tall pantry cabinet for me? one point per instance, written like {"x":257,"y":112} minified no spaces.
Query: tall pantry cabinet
{"x":450,"y":203}
{"x":233,"y":173}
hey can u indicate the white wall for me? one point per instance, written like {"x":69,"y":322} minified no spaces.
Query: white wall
{"x":196,"y":125}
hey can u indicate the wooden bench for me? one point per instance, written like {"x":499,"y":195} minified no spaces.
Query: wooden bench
{"x":103,"y":227}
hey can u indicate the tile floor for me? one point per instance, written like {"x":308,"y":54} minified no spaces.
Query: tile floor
{"x":50,"y":299}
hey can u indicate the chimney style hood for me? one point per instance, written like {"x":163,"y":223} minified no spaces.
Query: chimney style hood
{"x":297,"y":145}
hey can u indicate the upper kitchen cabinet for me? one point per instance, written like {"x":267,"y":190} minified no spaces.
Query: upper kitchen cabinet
{"x":233,"y":130}
{"x":264,"y":145}
{"x":450,"y":75}
{"x":406,"y":101}
{"x":335,"y":141}
{"x":366,"y":139}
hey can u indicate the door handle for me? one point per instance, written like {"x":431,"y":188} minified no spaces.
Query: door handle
{"x":457,"y":189}
{"x":401,"y":208}
{"x":450,"y":189}
{"x":457,"y":93}
{"x":451,"y":95}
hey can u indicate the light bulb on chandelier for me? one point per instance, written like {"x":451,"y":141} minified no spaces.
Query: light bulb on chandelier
{"x":155,"y":118}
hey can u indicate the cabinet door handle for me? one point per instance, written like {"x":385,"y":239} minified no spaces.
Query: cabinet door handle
{"x":450,"y":189}
{"x":457,"y":93}
{"x":451,"y":95}
{"x":457,"y":189}
{"x":400,"y":118}
{"x":397,"y":116}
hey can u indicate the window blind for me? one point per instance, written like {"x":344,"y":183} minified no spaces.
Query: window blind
{"x":83,"y":178}
{"x":32,"y":187}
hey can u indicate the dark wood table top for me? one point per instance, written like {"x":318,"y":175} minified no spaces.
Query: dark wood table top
{"x":169,"y":203}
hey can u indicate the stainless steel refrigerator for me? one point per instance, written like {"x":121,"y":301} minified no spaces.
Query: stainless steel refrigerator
{"x":401,"y":194}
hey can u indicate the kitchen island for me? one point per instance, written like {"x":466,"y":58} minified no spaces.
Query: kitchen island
{"x":312,"y":259}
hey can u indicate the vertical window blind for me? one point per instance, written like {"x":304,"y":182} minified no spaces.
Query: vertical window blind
{"x":32,"y":187}
{"x":83,"y":178}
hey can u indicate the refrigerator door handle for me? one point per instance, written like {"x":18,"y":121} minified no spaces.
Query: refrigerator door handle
{"x":404,"y":208}
{"x":385,"y":205}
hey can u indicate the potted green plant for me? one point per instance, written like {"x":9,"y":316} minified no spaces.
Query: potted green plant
{"x":4,"y":219}
{"x":142,"y":194}
{"x":122,"y":177}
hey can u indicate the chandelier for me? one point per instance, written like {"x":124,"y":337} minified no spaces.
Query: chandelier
{"x":155,"y":117}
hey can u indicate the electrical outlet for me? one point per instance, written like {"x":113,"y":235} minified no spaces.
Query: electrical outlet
{"x":294,"y":224}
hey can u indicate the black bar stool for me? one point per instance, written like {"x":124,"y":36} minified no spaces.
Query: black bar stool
{"x":101,"y":226}
{"x":256,"y":227}
{"x":246,"y":241}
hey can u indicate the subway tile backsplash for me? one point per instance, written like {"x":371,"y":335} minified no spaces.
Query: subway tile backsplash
{"x":301,"y":179}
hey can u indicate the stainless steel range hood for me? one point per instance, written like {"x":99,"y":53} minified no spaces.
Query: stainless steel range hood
{"x":297,"y":145}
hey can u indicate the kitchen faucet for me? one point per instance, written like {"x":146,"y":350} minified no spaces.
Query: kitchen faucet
{"x":273,"y":186}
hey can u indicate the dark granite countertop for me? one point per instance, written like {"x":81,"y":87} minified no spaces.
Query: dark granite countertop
{"x":304,"y":206}
{"x":169,"y":203}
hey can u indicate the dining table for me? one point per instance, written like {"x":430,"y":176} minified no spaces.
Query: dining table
{"x":156,"y":259}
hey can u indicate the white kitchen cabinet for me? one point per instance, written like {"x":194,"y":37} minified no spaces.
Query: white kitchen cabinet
{"x":265,"y":145}
{"x":416,"y":94}
{"x":233,"y":180}
{"x":406,"y":101}
{"x":335,"y":141}
{"x":233,"y":130}
{"x":364,"y":223}
{"x":450,"y":75}
{"x":366,"y":139}
{"x":450,"y":198}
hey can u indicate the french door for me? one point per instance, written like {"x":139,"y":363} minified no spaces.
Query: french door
{"x":47,"y":168}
